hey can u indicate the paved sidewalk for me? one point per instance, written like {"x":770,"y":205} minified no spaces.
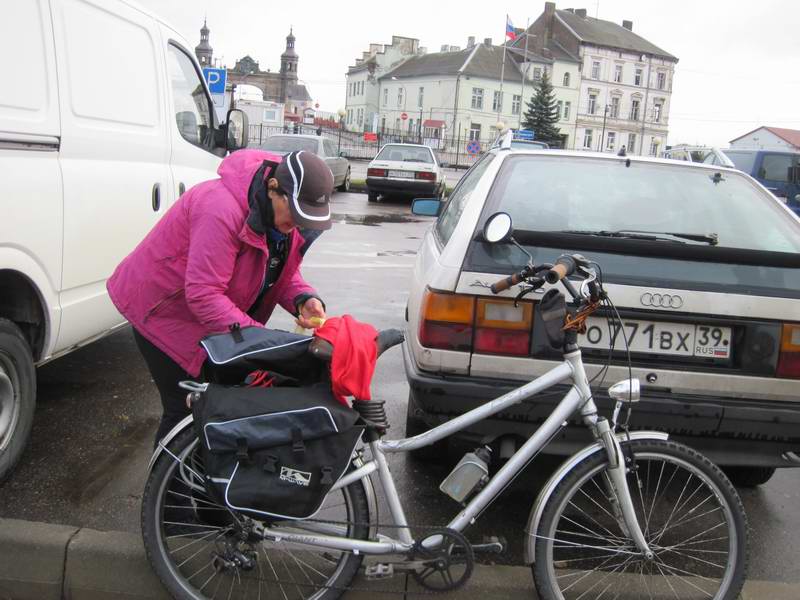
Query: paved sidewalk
{"x":40,"y":561}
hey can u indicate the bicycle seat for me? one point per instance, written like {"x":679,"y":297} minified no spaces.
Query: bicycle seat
{"x":387,"y":338}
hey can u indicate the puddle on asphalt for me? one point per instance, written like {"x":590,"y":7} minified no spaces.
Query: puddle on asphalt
{"x":373,"y":220}
{"x":398,"y":253}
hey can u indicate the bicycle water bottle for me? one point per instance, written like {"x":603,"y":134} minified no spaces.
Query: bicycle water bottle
{"x":470,"y":472}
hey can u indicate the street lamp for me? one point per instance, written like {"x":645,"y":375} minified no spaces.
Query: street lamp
{"x":341,"y":112}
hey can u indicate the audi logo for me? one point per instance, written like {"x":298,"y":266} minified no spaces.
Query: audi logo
{"x":661,"y":300}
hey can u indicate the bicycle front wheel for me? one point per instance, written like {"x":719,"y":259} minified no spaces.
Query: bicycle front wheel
{"x":201,"y":550}
{"x":691,"y":516}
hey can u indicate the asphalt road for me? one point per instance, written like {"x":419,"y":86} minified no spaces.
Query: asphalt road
{"x":97,"y":413}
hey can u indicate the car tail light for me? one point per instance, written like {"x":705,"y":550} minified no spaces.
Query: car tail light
{"x":789,"y":360}
{"x":502,"y":328}
{"x":426,"y":175}
{"x":447,"y":321}
{"x":376,"y":172}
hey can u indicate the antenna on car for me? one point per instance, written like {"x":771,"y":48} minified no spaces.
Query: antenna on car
{"x":505,"y":141}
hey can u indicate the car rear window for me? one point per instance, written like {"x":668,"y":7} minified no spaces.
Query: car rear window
{"x":557,"y":194}
{"x":405,"y":154}
{"x":287,"y":143}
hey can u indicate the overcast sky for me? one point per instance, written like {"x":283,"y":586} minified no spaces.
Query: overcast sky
{"x":737,"y":69}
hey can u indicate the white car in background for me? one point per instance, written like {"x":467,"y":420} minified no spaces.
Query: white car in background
{"x":405,"y":170}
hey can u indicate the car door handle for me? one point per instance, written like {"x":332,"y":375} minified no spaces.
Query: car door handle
{"x":181,"y":189}
{"x":156,"y":197}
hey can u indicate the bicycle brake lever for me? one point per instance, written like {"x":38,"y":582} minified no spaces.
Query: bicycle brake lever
{"x":534,"y":284}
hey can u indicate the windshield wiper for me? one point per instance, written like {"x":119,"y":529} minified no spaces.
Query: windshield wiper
{"x":633,"y":234}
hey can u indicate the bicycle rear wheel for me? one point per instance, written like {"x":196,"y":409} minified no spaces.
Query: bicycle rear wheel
{"x":690,"y":514}
{"x":201,"y":550}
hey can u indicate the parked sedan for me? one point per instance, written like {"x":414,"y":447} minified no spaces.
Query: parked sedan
{"x":405,"y":170}
{"x":702,"y":263}
{"x":316,"y":144}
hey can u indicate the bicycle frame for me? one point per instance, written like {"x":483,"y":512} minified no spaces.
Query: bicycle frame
{"x":578,"y":398}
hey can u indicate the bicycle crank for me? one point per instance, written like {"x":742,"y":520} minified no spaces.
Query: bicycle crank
{"x":446,"y":560}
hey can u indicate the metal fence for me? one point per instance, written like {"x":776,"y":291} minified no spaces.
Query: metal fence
{"x":456,"y":151}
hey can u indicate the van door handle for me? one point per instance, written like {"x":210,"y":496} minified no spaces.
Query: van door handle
{"x":156,"y":197}
{"x":181,"y":189}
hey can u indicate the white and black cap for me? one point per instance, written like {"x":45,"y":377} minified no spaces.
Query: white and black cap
{"x":308,"y":183}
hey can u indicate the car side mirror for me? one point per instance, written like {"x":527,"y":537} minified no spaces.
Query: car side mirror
{"x":426,"y":207}
{"x":236,"y":130}
{"x":498,"y":228}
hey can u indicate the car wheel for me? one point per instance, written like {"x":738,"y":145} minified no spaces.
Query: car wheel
{"x":372,"y":196}
{"x":434,"y":453}
{"x":748,"y":477}
{"x":345,"y":187}
{"x":17,"y":395}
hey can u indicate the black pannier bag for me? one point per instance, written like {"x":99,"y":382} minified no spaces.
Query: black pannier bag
{"x":274,"y":453}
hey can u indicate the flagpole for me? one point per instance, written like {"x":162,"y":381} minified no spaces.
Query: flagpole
{"x":524,"y":73}
{"x":502,"y":72}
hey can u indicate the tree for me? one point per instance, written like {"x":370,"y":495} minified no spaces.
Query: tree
{"x":542,"y":113}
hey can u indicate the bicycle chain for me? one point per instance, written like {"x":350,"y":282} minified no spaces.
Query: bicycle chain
{"x":422,"y":592}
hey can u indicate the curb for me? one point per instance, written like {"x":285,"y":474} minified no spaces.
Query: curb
{"x":42,"y":561}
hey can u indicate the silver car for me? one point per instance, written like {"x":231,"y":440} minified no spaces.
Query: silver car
{"x":316,"y":144}
{"x":702,"y":261}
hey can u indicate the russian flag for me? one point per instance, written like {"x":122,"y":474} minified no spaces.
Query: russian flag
{"x":510,"y":33}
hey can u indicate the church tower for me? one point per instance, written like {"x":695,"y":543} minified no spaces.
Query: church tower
{"x":289,"y":60}
{"x":203,"y":51}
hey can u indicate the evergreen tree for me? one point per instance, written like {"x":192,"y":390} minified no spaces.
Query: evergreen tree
{"x":542,"y":113}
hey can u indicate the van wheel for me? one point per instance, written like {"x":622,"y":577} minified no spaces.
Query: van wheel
{"x":749,"y":477}
{"x":17,"y":395}
{"x":434,"y":453}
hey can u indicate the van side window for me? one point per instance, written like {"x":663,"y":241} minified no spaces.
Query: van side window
{"x":458,"y":199}
{"x":191,"y":104}
{"x":776,"y":167}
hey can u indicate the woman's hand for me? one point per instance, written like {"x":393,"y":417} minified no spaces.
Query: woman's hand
{"x":312,"y":314}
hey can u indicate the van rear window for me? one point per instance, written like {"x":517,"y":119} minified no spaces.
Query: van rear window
{"x":744,"y":161}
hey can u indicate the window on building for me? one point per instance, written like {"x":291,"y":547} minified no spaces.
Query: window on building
{"x":566,"y":79}
{"x":497,"y":101}
{"x":654,"y":147}
{"x":611,"y":140}
{"x":631,"y":142}
{"x":566,"y":109}
{"x":595,"y":69}
{"x":637,"y":79}
{"x":360,"y":116}
{"x":661,"y":80}
{"x":657,"y":109}
{"x":383,"y":124}
{"x":615,"y":107}
{"x":587,"y":138}
{"x":537,"y":73}
{"x":618,"y":73}
{"x":560,"y":106}
{"x":400,"y":98}
{"x":516,"y":101}
{"x":592,"y":104}
{"x":420,"y":96}
{"x":385,"y":97}
{"x":634,"y":110}
{"x":397,"y":124}
{"x":475,"y":131}
{"x":477,"y":98}
{"x":410,"y":125}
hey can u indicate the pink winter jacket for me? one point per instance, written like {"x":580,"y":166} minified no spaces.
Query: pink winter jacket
{"x":201,"y":267}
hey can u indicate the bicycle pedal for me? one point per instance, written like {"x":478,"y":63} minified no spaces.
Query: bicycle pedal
{"x":490,"y":545}
{"x":378,"y":571}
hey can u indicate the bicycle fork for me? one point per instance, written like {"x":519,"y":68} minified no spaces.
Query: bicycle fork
{"x":617,"y":487}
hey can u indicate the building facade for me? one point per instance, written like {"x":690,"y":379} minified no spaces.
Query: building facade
{"x":362,"y":79}
{"x":281,"y":87}
{"x":625,"y":81}
{"x":768,"y":138}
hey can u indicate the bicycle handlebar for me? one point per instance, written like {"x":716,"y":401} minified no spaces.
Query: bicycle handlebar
{"x":507,"y":282}
{"x":564,"y":267}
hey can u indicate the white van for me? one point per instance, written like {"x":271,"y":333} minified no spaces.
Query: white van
{"x":105,"y":120}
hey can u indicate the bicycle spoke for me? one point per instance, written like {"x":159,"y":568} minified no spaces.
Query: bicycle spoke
{"x":688,"y":543}
{"x":675,"y":571}
{"x":663,"y":531}
{"x":674,"y":593}
{"x":708,"y":562}
{"x":193,"y":542}
{"x":274,"y":572}
{"x":597,"y":504}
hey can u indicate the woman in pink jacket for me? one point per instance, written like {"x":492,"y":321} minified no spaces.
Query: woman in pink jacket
{"x":223,"y":256}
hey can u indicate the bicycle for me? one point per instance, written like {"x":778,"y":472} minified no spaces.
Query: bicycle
{"x":632,"y":515}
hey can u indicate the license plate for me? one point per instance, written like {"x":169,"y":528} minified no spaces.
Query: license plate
{"x":402,"y":174}
{"x":674,"y":339}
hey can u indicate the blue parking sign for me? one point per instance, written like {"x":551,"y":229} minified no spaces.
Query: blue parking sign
{"x":215,"y":78}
